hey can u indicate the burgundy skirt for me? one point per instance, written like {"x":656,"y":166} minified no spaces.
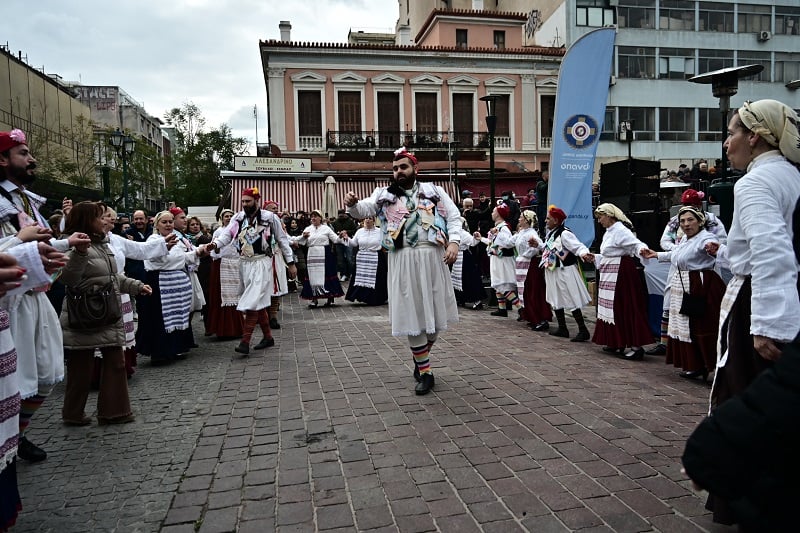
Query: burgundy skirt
{"x":630,"y":326}
{"x":222,"y":321}
{"x":536,"y":308}
{"x":701,"y":353}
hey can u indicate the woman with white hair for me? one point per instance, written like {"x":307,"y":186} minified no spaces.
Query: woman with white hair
{"x":761,"y":306}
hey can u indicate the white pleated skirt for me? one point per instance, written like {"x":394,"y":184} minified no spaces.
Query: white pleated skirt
{"x":421,"y":297}
{"x":503,"y":273}
{"x":564,"y":288}
{"x":257,"y":284}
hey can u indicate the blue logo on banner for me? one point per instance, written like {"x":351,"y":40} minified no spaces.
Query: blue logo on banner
{"x":580,"y":131}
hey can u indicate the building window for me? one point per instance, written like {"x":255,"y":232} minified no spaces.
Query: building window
{"x":595,"y":13}
{"x":637,"y":62}
{"x":499,"y":39}
{"x":642,"y":121}
{"x":427,"y":114}
{"x":787,"y":67}
{"x":754,"y":19}
{"x":709,"y":60}
{"x":716,"y":16}
{"x":676,"y":124}
{"x":349,"y":111}
{"x":676,"y":15}
{"x":309,"y":113}
{"x":675,"y":63}
{"x":608,"y":133}
{"x":636,"y":14}
{"x":501,"y":110}
{"x":787,"y":20}
{"x":461,"y":38}
{"x":709,"y":125}
{"x":750,"y":57}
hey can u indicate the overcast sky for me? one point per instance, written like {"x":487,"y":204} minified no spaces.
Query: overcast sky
{"x":167,"y":52}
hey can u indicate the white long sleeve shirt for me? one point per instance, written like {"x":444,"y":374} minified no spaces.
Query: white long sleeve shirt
{"x":690,"y":254}
{"x":321,"y":235}
{"x":178,"y":258}
{"x":619,"y":241}
{"x":366,"y":239}
{"x":524,"y":249}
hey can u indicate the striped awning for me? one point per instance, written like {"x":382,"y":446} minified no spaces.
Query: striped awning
{"x":304,"y":194}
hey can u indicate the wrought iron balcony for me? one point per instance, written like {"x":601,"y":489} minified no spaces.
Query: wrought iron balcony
{"x":417,"y":140}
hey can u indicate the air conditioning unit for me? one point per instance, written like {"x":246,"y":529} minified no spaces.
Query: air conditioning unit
{"x":612,"y":81}
{"x":764,"y":36}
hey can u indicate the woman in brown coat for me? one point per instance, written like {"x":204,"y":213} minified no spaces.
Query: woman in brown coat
{"x":90,"y":267}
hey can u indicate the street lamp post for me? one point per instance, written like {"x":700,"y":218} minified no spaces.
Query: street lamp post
{"x":724,"y":84}
{"x":124,"y":146}
{"x":491,"y":127}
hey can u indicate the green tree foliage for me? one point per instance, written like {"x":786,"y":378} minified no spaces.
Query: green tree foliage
{"x":199,"y":156}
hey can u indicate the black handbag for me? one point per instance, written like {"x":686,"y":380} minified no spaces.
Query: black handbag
{"x":95,"y":308}
{"x":693,"y":305}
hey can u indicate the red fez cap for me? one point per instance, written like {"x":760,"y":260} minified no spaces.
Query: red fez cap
{"x":10,"y":139}
{"x":503,"y":210}
{"x":401,"y":152}
{"x":175,"y":211}
{"x":557,"y":214}
{"x":692,"y":197}
{"x":270,"y":202}
{"x":252,"y":191}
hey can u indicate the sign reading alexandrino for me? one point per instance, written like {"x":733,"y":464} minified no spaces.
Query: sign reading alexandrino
{"x":246,"y":163}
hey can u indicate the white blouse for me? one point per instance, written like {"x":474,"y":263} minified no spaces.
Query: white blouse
{"x":524,"y":249}
{"x":366,"y":239}
{"x":467,"y":240}
{"x":179,"y":257}
{"x":123,"y":248}
{"x":690,"y":254}
{"x":228,"y":250}
{"x":321,"y":235}
{"x":619,"y":241}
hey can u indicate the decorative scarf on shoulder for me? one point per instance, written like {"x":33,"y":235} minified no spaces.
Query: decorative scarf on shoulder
{"x":423,"y":219}
{"x":493,"y":248}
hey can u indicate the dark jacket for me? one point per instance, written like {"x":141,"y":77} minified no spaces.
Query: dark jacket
{"x":133,"y":267}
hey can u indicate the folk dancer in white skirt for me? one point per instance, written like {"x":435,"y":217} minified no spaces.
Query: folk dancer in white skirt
{"x":420,"y":226}
{"x":500,"y":248}
{"x":251,"y":229}
{"x":34,"y":325}
{"x":278,"y":269}
{"x":368,"y":282}
{"x":322,"y":278}
{"x":565,"y":288}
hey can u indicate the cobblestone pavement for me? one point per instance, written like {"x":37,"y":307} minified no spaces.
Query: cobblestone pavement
{"x":524,"y":432}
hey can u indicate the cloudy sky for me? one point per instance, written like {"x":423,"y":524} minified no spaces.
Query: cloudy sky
{"x":167,"y":52}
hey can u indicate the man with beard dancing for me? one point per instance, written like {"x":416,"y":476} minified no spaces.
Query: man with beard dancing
{"x":251,"y":231}
{"x":34,"y":325}
{"x":419,"y":221}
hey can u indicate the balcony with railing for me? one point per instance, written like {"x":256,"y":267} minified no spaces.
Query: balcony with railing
{"x":417,"y":140}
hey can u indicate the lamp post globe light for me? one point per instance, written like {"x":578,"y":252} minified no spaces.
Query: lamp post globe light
{"x":491,"y":127}
{"x":124,"y":146}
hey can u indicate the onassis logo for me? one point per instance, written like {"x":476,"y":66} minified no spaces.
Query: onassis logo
{"x":580,"y":131}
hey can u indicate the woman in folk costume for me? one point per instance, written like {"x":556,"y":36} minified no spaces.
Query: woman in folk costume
{"x":622,"y":297}
{"x":224,"y":320}
{"x":321,"y":281}
{"x":500,"y":248}
{"x":530,"y":279}
{"x":164,"y":333}
{"x":692,"y":343}
{"x":280,"y":280}
{"x":181,"y":225}
{"x":565,"y":286}
{"x":368,"y":283}
{"x":467,"y":282}
{"x":761,"y":306}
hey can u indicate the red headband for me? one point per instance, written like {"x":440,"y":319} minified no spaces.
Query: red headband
{"x":10,"y":139}
{"x":252,"y":192}
{"x":503,"y":210}
{"x":175,"y":211}
{"x":557,"y":214}
{"x":401,"y":152}
{"x":270,"y":202}
{"x":692,"y":197}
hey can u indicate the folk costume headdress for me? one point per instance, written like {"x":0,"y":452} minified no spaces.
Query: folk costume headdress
{"x":10,"y":139}
{"x":776,"y":123}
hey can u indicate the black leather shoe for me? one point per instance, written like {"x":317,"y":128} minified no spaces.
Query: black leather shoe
{"x":521,"y":316}
{"x":273,"y":323}
{"x":560,"y":332}
{"x":541,"y":326}
{"x":658,"y":349}
{"x":416,"y":373}
{"x":609,"y":349}
{"x":425,"y":385}
{"x":265,"y":343}
{"x":29,"y":451}
{"x":477,"y":306}
{"x":694,"y":374}
{"x":582,"y":336}
{"x":242,"y":348}
{"x":499,"y":312}
{"x":634,"y":355}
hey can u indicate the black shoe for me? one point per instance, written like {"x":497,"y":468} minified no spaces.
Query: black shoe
{"x":416,"y":373}
{"x":521,"y":316}
{"x":329,"y":303}
{"x":582,"y":336}
{"x":29,"y":451}
{"x":694,"y":374}
{"x":313,"y":305}
{"x":265,"y":343}
{"x":541,"y":326}
{"x":658,"y":349}
{"x":243,"y":348}
{"x":499,"y":312}
{"x":425,"y":385}
{"x":273,"y":323}
{"x":609,"y":349}
{"x":560,"y":332}
{"x":634,"y":355}
{"x":477,"y":306}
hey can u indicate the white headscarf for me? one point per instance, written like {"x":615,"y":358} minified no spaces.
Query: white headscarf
{"x":774,"y":122}
{"x":613,"y":211}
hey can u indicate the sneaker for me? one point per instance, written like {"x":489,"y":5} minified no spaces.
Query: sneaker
{"x":29,"y":451}
{"x":266,"y":342}
{"x":425,"y":385}
{"x":242,"y":348}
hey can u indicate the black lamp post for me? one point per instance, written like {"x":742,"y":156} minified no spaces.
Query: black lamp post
{"x":491,"y":127}
{"x":124,"y":145}
{"x":724,"y":84}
